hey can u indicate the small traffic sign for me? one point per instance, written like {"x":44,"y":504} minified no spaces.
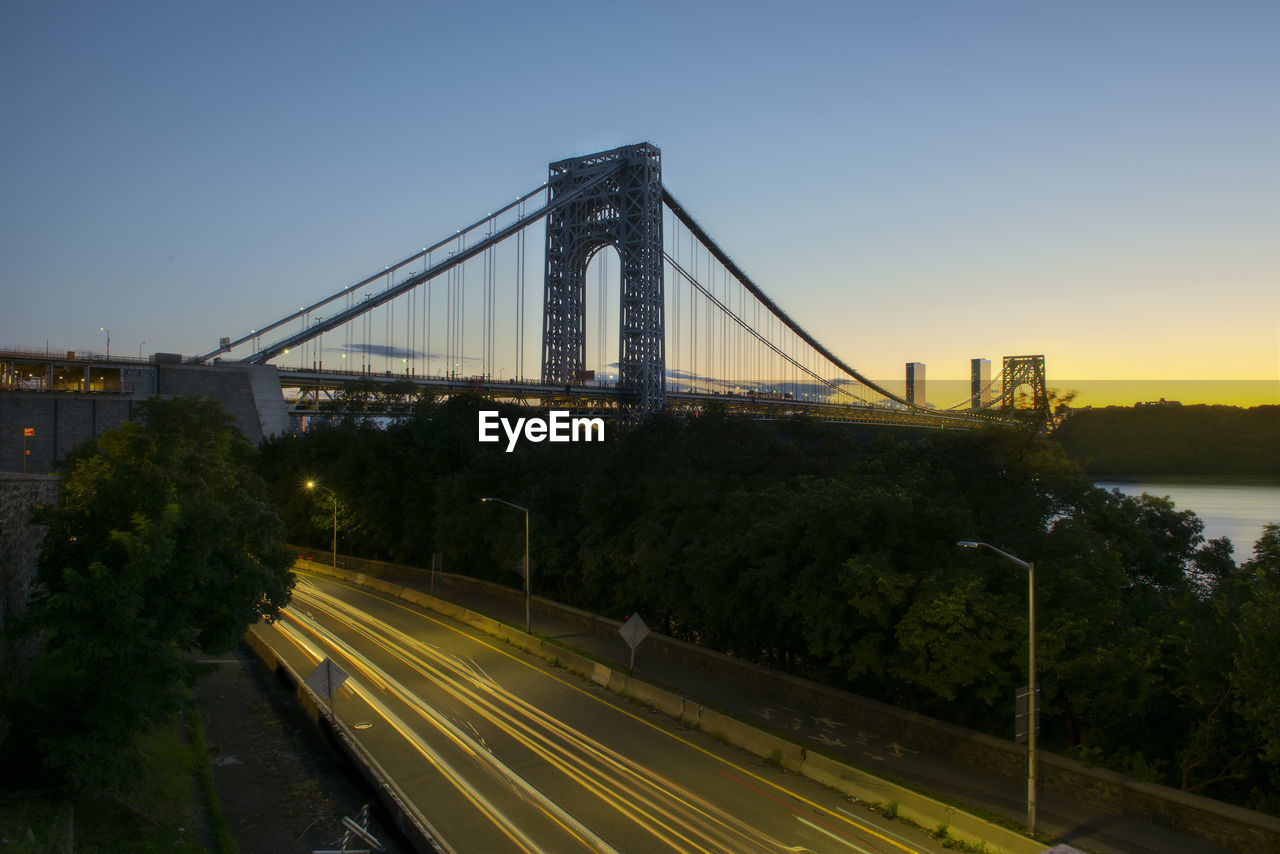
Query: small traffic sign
{"x":327,"y":678}
{"x":519,"y":567}
{"x":633,"y":631}
{"x":28,"y":431}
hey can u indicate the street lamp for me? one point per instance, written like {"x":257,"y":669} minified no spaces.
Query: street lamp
{"x":108,"y":331}
{"x":311,"y":484}
{"x":1032,"y":698}
{"x":140,"y":343}
{"x":526,"y":557}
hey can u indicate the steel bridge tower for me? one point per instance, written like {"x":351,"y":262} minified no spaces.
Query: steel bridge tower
{"x":624,"y":211}
{"x":1028,"y":371}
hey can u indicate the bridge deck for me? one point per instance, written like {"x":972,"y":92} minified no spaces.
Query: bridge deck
{"x":318,"y":390}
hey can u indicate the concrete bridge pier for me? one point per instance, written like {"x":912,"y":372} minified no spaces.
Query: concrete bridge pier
{"x":251,"y":393}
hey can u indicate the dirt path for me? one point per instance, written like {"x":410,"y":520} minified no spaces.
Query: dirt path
{"x":282,"y":788}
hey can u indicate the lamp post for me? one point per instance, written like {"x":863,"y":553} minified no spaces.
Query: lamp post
{"x":526,"y":557}
{"x":108,"y":331}
{"x":140,"y":343}
{"x":1032,"y":694}
{"x":311,"y":484}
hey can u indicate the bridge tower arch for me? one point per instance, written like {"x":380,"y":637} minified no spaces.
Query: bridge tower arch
{"x":1028,"y":372}
{"x":624,"y":211}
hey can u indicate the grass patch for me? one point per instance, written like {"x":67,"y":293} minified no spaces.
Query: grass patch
{"x":304,"y":797}
{"x":955,"y":844}
{"x":29,"y":822}
{"x":943,"y":833}
{"x":222,"y":839}
{"x":157,"y":812}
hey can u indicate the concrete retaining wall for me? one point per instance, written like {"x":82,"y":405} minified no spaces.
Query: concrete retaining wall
{"x":61,"y":421}
{"x":1223,"y":824}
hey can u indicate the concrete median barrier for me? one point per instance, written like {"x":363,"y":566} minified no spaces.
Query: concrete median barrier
{"x":667,"y":702}
{"x":913,"y":806}
{"x":763,"y":744}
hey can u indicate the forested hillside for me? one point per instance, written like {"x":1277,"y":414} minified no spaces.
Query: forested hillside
{"x":809,"y":547}
{"x":1171,"y":439}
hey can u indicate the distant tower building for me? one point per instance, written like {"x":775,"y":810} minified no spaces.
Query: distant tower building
{"x":915,"y":383}
{"x":980,"y":383}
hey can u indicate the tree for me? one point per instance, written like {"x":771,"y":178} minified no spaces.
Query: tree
{"x":1258,"y":698}
{"x":163,"y":544}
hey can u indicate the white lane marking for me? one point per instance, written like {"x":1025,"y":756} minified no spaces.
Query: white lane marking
{"x":826,"y":832}
{"x":880,"y":828}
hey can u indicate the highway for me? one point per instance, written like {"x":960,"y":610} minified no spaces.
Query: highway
{"x":501,"y":751}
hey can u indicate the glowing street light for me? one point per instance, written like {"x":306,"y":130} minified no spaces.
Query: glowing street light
{"x":526,"y":557}
{"x":1032,"y":704}
{"x":108,"y":331}
{"x":311,"y":484}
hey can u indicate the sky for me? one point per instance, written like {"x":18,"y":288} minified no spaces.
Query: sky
{"x":911,"y":181}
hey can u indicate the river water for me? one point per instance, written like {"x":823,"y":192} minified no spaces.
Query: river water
{"x":1235,"y":508}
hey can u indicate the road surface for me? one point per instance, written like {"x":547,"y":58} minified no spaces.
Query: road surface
{"x":502,"y":752}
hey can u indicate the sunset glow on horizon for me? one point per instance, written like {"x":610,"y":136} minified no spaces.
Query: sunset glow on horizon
{"x":943,"y":393}
{"x":1094,"y":182}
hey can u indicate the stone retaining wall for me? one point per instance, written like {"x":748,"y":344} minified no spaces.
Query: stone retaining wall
{"x":19,"y":550}
{"x":19,"y":539}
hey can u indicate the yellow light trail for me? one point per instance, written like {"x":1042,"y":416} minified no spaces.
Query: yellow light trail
{"x":442,"y":765}
{"x":842,"y":819}
{"x":651,"y":795}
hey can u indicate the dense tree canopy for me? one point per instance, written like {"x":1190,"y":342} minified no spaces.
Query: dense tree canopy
{"x":164,"y":543}
{"x":1174,"y":439}
{"x":830,"y":552}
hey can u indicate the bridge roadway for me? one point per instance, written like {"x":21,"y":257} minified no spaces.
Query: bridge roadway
{"x":501,"y":752}
{"x":602,"y":398}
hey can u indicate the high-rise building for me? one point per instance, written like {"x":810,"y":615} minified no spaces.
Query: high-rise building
{"x":915,"y":383}
{"x":980,"y":383}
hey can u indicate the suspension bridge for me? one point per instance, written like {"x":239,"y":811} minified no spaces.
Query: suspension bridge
{"x":691,"y":326}
{"x":640,"y":310}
